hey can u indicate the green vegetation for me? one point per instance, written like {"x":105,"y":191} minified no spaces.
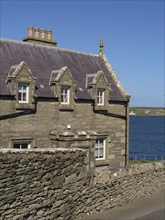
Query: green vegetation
{"x":141,"y":161}
{"x":147,"y":111}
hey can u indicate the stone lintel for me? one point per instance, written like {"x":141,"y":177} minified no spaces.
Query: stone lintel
{"x":69,"y":135}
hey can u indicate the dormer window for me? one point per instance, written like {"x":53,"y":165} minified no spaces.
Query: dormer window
{"x":98,"y":86}
{"x":100,"y":96}
{"x":64,"y":88}
{"x":22,"y":82}
{"x":23,"y":92}
{"x":65,"y":95}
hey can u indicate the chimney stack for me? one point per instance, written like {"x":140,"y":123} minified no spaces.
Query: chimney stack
{"x":42,"y":36}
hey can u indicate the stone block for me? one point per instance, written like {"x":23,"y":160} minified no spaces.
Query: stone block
{"x":111,"y":156}
{"x":71,"y":179}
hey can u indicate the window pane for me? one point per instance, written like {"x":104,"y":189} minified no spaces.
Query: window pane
{"x":20,"y":87}
{"x":19,"y":96}
{"x":24,"y":146}
{"x":101,"y":141}
{"x":101,"y":153}
{"x":24,"y":87}
{"x":65,"y":98}
{"x":17,"y":146}
{"x":24,"y":96}
{"x":65,"y":90}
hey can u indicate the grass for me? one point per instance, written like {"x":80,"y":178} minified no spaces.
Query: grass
{"x":141,"y":161}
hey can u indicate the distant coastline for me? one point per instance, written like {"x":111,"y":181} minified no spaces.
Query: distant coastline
{"x":147,"y":111}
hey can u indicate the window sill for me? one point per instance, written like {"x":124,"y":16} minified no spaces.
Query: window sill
{"x":24,"y":106}
{"x":101,"y":108}
{"x":66,"y":107}
{"x":101,"y":162}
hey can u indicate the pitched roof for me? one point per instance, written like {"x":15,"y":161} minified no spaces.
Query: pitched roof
{"x":42,"y":60}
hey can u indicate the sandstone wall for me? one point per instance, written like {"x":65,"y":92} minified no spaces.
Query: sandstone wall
{"x":37,"y":127}
{"x":54,"y":184}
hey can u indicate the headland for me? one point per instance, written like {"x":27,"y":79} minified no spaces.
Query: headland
{"x":147,"y":111}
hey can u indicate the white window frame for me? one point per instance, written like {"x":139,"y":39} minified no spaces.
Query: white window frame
{"x":23,"y":92}
{"x":100,"y":144}
{"x":100,"y":96}
{"x":65,"y":95}
{"x":21,"y":143}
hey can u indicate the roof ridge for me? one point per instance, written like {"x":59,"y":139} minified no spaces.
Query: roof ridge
{"x":47,"y":46}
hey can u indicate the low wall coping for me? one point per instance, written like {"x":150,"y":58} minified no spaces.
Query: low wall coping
{"x":109,"y":175}
{"x":40,"y":150}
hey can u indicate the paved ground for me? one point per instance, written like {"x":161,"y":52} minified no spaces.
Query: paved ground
{"x":149,"y":208}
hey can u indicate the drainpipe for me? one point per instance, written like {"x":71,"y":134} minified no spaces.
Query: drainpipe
{"x":127,"y":134}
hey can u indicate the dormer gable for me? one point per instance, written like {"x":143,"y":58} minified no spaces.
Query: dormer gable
{"x":62,"y":76}
{"x":64,"y":87}
{"x":21,"y":82}
{"x":99,"y":88}
{"x":20,"y":71}
{"x":100,"y":79}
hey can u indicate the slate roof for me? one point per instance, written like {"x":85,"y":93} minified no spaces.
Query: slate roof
{"x":42,"y":60}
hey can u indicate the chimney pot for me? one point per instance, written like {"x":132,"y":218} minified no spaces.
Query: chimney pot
{"x":43,"y":33}
{"x":37,"y":32}
{"x":30,"y":31}
{"x":49,"y":34}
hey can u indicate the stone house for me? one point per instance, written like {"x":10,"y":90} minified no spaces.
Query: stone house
{"x":53,"y":97}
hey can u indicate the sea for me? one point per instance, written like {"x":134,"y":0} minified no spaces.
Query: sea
{"x":147,"y":138}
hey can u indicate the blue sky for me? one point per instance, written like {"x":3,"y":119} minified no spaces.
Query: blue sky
{"x":133,"y":34}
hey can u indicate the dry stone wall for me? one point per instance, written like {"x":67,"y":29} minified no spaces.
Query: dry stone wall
{"x":54,"y":184}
